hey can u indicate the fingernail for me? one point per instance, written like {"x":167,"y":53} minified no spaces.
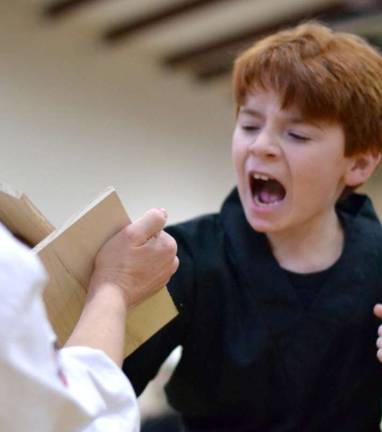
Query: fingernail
{"x":164,"y":211}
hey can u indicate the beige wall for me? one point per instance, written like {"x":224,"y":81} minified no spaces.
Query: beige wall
{"x":76,"y":117}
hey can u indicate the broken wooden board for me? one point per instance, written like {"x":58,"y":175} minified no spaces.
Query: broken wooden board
{"x":68,"y":254}
{"x":21,"y":217}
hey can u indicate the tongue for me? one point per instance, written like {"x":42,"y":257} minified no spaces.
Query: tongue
{"x":271,"y":192}
{"x":268,"y":198}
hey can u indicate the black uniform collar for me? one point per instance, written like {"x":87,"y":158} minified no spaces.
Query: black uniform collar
{"x":272,"y":291}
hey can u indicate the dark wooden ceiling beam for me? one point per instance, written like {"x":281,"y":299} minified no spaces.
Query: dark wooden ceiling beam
{"x":220,"y":63}
{"x":61,"y":8}
{"x":206,"y":75}
{"x":205,"y":72}
{"x":364,"y":4}
{"x":236,"y":42}
{"x":129,"y":27}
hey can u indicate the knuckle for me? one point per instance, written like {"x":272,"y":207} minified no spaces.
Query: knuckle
{"x":175,"y":265}
{"x":379,"y":355}
{"x":131,"y":233}
{"x":173,"y":248}
{"x":171,"y":268}
{"x":170,"y":245}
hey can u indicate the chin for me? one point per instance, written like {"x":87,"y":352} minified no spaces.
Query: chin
{"x":262,"y":226}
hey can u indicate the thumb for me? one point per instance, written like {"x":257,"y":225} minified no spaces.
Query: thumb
{"x":378,"y":310}
{"x":147,"y":226}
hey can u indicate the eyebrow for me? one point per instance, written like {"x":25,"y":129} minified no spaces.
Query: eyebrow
{"x":295,"y":119}
{"x":250,"y":111}
{"x":292,"y":119}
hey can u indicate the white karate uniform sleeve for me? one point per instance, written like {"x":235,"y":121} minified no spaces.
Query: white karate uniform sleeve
{"x":76,"y":389}
{"x":101,"y":388}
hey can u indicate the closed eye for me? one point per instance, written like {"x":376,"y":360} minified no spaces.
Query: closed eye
{"x":298,"y":137}
{"x":249,"y":128}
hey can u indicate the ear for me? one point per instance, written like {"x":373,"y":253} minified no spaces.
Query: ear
{"x":361,"y":167}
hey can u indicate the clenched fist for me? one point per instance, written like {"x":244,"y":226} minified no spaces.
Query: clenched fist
{"x":378,"y":313}
{"x":138,"y":260}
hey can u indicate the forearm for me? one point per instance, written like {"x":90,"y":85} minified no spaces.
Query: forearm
{"x":102,"y":322}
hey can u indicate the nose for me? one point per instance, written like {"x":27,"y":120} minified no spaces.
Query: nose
{"x":265,"y":145}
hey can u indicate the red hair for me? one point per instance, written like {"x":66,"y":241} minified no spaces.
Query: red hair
{"x":330,"y":76}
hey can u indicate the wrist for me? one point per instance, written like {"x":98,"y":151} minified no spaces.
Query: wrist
{"x":107,"y":293}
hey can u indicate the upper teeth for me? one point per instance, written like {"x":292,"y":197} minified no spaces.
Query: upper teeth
{"x":261,"y":177}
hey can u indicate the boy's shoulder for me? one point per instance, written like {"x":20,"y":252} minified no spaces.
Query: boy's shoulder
{"x":364,"y":235}
{"x":359,"y":209}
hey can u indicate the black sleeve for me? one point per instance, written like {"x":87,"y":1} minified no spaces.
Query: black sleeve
{"x":143,"y":364}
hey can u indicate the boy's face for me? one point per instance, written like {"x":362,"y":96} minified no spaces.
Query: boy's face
{"x":290,"y":172}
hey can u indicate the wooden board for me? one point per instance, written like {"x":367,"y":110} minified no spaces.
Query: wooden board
{"x":68,"y":254}
{"x":21,"y":217}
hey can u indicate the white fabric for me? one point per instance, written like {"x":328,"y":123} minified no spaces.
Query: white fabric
{"x":102,"y":388}
{"x":33,"y":396}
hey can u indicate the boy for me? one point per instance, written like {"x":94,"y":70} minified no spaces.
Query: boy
{"x":276,"y":292}
{"x":81,"y":387}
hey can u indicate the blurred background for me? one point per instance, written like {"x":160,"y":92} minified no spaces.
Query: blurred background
{"x":136,"y":94}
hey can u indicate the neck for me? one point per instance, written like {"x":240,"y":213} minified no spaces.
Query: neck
{"x":311,"y":247}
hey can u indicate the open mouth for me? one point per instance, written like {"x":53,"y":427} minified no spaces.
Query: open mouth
{"x":266,"y":190}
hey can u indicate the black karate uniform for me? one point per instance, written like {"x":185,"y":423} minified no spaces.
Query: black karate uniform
{"x":255,"y":358}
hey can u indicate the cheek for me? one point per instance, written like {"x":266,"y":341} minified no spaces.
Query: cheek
{"x":238,"y":152}
{"x":307,"y":176}
{"x":315,"y":180}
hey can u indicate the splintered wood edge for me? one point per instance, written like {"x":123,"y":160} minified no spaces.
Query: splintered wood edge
{"x":22,"y":217}
{"x":107,"y":192}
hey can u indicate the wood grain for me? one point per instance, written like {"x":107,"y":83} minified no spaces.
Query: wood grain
{"x":68,"y":254}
